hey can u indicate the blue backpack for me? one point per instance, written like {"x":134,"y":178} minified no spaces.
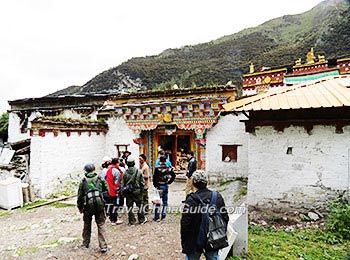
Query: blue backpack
{"x":212,"y":232}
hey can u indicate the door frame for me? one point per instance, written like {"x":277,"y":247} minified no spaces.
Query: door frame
{"x":159,"y":133}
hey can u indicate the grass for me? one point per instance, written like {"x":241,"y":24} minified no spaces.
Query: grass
{"x":5,"y":213}
{"x":28,"y":205}
{"x":244,"y":180}
{"x":62,"y":205}
{"x":311,"y":244}
{"x":226,"y":182}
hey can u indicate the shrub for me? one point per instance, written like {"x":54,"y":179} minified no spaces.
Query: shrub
{"x":339,"y":219}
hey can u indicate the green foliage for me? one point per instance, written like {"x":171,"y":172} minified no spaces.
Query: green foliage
{"x":339,"y":219}
{"x":275,"y":43}
{"x":311,"y":244}
{"x":4,"y":122}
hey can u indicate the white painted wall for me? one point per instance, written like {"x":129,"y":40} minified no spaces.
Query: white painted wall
{"x":229,"y":130}
{"x":57,"y":161}
{"x":316,"y":169}
{"x":120,"y":133}
{"x":14,"y":129}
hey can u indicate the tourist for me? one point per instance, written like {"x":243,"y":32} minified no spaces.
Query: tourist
{"x":132,"y":186}
{"x":191,"y":168}
{"x":163,"y":176}
{"x":106,"y":162}
{"x":161,"y":153}
{"x":88,"y":210}
{"x":113,"y":177}
{"x":146,"y":176}
{"x":122,"y":165}
{"x":125,"y":156}
{"x":191,"y":218}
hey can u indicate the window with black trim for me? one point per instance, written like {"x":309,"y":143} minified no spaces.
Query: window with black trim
{"x":229,"y":153}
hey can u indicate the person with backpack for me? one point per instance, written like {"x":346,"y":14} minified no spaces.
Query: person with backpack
{"x":162,"y":178}
{"x":132,"y":186}
{"x":114,"y":177}
{"x":90,"y":203}
{"x":203,"y":222}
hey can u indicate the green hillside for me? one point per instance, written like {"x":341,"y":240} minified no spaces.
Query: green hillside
{"x":275,"y":43}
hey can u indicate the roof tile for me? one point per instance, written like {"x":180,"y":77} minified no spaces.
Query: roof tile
{"x":330,"y":92}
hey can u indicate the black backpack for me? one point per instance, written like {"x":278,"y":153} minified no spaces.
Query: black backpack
{"x":94,"y":201}
{"x":212,"y":232}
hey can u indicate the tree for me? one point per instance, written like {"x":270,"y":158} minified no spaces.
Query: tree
{"x":4,"y":123}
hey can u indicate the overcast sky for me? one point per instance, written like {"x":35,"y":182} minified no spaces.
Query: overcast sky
{"x":47,"y":45}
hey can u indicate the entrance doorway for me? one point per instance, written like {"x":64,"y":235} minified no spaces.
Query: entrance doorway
{"x":175,"y":146}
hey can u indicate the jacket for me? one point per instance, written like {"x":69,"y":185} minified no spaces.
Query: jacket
{"x":138,"y":182}
{"x":113,"y":177}
{"x":91,"y":179}
{"x":191,"y":167}
{"x":163,"y":175}
{"x":191,"y":220}
{"x":144,"y":168}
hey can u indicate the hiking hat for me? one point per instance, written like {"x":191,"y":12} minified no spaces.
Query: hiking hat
{"x":89,"y":167}
{"x":106,"y":158}
{"x":200,"y":176}
{"x":131,"y":162}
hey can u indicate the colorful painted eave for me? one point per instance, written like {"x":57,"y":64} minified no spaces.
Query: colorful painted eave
{"x":328,"y":92}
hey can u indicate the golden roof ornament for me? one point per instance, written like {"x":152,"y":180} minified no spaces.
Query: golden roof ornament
{"x":321,"y":58}
{"x":310,"y":57}
{"x":298,"y":62}
{"x":251,"y":68}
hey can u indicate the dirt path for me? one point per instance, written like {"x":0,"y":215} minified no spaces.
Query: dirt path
{"x":51,"y":232}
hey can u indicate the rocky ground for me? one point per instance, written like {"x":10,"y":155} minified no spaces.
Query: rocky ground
{"x":54,"y":232}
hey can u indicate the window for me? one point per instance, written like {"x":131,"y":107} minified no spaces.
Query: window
{"x":229,"y":153}
{"x":121,"y":148}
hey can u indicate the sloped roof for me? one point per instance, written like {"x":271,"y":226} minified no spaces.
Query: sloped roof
{"x":328,"y":92}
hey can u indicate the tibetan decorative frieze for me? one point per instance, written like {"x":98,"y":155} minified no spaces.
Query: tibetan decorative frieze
{"x":187,"y":114}
{"x":42,"y":125}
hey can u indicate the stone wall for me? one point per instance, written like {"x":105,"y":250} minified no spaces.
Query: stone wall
{"x":230,"y":131}
{"x":120,"y":133}
{"x":315,"y":169}
{"x":57,"y":162}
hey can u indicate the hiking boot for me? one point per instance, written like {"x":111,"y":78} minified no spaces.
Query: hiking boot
{"x":119,"y":222}
{"x":143,"y":222}
{"x":156,"y":219}
{"x":83,"y":246}
{"x":103,"y":250}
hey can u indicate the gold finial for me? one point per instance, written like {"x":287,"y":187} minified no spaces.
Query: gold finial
{"x":298,"y":62}
{"x":251,"y":68}
{"x":321,"y":58}
{"x":310,"y":57}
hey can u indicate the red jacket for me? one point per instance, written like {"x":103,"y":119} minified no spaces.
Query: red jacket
{"x":110,"y":178}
